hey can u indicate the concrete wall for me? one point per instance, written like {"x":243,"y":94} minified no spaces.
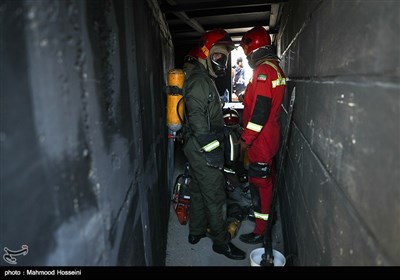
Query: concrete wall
{"x":340,"y":198}
{"x":82,"y":132}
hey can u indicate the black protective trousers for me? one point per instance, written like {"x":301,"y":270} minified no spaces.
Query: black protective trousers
{"x":208,"y":196}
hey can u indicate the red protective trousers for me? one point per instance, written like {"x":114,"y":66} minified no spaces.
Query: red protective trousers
{"x":265,"y":190}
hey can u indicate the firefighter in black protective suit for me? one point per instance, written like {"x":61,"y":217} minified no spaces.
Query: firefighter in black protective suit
{"x":203,"y":145}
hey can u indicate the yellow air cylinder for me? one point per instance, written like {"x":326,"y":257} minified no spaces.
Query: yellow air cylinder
{"x":176,"y":77}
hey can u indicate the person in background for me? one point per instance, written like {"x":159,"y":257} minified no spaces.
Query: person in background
{"x":239,"y":84}
{"x":203,"y":145}
{"x":261,"y":134}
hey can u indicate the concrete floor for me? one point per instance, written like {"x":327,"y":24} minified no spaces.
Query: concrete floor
{"x":181,"y":253}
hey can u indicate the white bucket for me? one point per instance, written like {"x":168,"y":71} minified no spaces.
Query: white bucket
{"x":256,"y":257}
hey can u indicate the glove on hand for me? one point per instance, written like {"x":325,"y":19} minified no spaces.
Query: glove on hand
{"x":215,"y":157}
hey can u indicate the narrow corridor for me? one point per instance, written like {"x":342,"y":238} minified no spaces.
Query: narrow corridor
{"x":84,"y":141}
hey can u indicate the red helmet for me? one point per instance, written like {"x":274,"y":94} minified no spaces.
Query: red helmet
{"x":255,"y":38}
{"x":213,"y":37}
{"x":192,"y":55}
{"x":194,"y":52}
{"x":231,"y":117}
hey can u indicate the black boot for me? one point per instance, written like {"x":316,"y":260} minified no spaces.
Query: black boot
{"x":194,"y":239}
{"x":251,"y":238}
{"x":230,"y":251}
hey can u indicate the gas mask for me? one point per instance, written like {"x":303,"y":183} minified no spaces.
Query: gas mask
{"x":218,"y":61}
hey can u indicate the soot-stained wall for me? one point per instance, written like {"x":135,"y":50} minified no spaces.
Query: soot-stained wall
{"x":340,"y":198}
{"x":82,"y":132}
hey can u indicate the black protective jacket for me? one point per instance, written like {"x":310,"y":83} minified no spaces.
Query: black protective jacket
{"x":202,"y":106}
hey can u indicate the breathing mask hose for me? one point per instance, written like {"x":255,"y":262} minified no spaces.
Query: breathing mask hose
{"x":179,"y":110}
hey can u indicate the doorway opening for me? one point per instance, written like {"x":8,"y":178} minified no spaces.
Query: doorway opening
{"x":242,"y":77}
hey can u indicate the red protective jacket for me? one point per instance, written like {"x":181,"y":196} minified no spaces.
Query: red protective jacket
{"x":262,"y":105}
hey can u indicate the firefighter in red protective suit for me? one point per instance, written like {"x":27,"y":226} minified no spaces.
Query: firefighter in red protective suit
{"x":261,"y":135}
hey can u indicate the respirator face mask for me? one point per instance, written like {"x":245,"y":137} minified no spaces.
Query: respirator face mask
{"x":219,"y":63}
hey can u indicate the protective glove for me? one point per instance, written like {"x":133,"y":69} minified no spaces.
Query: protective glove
{"x":214,"y":155}
{"x":215,"y":158}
